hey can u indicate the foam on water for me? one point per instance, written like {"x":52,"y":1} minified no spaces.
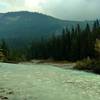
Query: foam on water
{"x":46,"y":82}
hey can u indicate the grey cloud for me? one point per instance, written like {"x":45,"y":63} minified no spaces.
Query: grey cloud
{"x":73,"y":9}
{"x":11,"y":5}
{"x":64,"y":9}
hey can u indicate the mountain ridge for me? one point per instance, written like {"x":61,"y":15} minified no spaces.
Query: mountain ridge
{"x":24,"y":25}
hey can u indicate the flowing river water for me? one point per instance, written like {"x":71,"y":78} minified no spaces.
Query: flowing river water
{"x":46,"y":82}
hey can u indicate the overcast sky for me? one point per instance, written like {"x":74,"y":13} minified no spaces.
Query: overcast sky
{"x":64,"y":9}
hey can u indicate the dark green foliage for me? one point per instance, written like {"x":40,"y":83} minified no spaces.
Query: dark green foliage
{"x":5,"y":49}
{"x":85,"y":64}
{"x":20,"y":28}
{"x":88,"y":65}
{"x":74,"y":44}
{"x":16,"y":56}
{"x":10,"y":55}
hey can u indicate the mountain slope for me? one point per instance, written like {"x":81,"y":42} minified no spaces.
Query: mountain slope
{"x":26,"y":26}
{"x":19,"y":24}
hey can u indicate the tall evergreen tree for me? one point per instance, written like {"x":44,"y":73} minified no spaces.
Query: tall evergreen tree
{"x":74,"y":44}
{"x":5,"y":49}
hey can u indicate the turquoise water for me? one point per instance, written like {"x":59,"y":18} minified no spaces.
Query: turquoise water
{"x":46,"y":82}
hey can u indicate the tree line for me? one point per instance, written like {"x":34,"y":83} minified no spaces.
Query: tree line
{"x":4,"y":51}
{"x":72,"y":45}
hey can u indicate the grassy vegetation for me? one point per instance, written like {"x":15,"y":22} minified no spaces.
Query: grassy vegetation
{"x":88,"y":65}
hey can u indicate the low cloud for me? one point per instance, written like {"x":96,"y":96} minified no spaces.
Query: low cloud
{"x":73,"y":9}
{"x":64,"y":9}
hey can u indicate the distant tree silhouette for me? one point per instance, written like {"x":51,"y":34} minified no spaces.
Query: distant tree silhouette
{"x":4,"y":48}
{"x":74,"y":44}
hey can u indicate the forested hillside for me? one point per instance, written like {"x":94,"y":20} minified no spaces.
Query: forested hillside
{"x":74,"y":44}
{"x":18,"y":27}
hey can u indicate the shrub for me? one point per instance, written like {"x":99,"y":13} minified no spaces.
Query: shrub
{"x":96,"y":66}
{"x":88,"y":65}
